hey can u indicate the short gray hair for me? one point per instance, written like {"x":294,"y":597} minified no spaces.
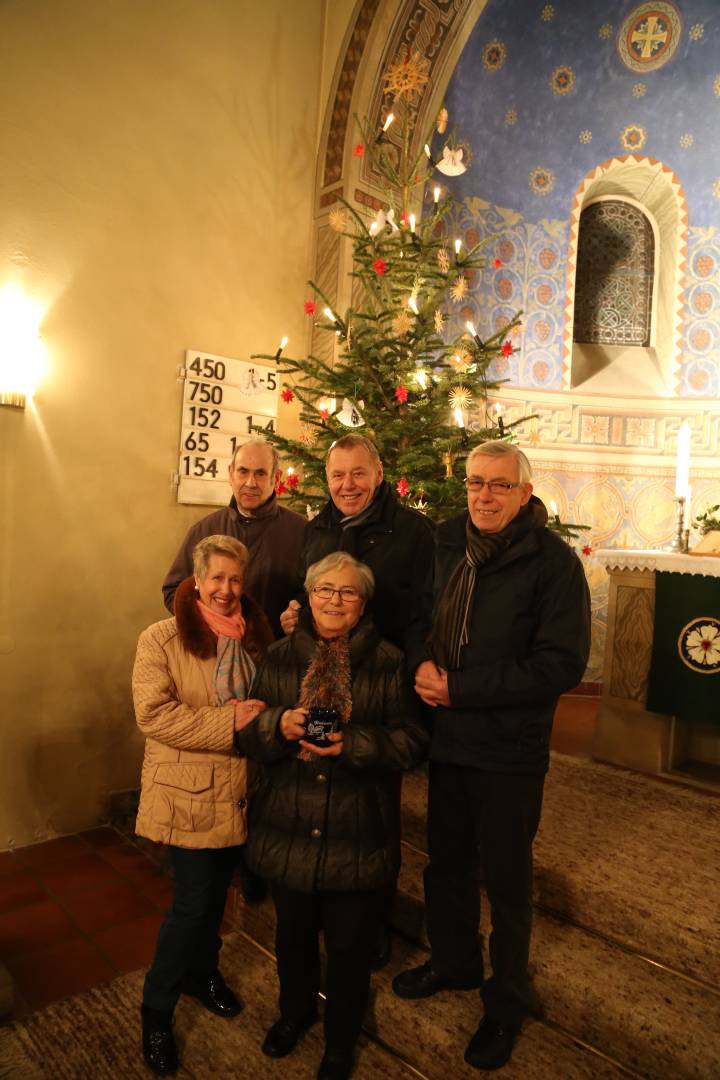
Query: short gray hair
{"x":497,"y":448}
{"x":336,"y":561}
{"x":350,"y":442}
{"x":217,"y":545}
{"x":257,"y":440}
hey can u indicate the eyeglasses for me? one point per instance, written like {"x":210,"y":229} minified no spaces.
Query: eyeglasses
{"x":495,"y":487}
{"x":347,"y":595}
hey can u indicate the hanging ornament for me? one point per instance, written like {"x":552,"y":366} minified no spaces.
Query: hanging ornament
{"x":402,"y":323}
{"x":442,"y":121}
{"x":459,"y":289}
{"x":587,"y":549}
{"x":460,"y":398}
{"x":308,"y":435}
{"x":460,"y":360}
{"x":451,"y":163}
{"x":358,"y":150}
{"x":380,"y":267}
{"x":402,"y":487}
{"x":384,"y":219}
{"x":443,"y":260}
{"x":287,"y":395}
{"x":292,"y":479}
{"x":350,"y":414}
{"x":401,"y":393}
{"x":507,"y":348}
{"x":310,"y":307}
{"x":338,"y":219}
{"x":281,"y":488}
{"x":448,"y":461}
{"x":497,"y":263}
{"x":407,"y":75}
{"x":439,"y":320}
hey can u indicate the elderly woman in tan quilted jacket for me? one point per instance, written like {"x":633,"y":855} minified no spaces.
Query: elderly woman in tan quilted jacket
{"x":191,"y":681}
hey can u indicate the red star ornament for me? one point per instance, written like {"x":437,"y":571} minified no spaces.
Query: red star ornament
{"x":287,"y":395}
{"x":587,"y":549}
{"x":402,"y":487}
{"x":507,"y":348}
{"x":281,"y":488}
{"x":380,"y":267}
{"x":358,"y":150}
{"x":401,"y":394}
{"x":497,"y":263}
{"x":292,"y":480}
{"x":310,"y":307}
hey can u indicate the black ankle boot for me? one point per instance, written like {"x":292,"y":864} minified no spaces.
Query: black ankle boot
{"x":158,"y":1041}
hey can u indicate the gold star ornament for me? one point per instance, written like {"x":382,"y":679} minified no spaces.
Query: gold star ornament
{"x":407,"y":76}
{"x":460,"y":398}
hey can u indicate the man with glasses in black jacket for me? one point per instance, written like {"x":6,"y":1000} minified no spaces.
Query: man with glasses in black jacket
{"x":504,"y":633}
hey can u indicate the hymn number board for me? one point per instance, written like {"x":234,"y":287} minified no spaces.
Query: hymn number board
{"x":223,"y":401}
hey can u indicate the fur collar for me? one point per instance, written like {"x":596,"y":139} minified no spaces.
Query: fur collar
{"x":197,"y":637}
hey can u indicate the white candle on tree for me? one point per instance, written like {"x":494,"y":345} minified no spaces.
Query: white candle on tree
{"x":682,"y":466}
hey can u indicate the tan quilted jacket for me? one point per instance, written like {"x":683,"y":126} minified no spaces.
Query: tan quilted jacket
{"x":194,"y":785}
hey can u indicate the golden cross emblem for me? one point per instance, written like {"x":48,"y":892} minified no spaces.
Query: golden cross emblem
{"x":648,"y":34}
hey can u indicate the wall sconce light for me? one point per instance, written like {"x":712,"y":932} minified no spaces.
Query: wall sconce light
{"x":21,"y":351}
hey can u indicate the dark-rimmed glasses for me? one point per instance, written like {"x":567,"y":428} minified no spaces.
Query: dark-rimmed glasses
{"x":495,"y":487}
{"x":347,"y":594}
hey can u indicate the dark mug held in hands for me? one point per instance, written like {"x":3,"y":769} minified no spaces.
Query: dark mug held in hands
{"x":320,"y":723}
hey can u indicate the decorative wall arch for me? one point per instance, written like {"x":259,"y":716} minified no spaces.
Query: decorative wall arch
{"x":655,"y":187}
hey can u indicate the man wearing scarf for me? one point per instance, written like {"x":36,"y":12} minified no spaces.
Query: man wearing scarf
{"x":506,"y":631}
{"x":364,"y":518}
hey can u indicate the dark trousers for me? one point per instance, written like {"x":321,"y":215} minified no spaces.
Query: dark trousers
{"x":189,"y":940}
{"x":350,"y":923}
{"x":483,"y":819}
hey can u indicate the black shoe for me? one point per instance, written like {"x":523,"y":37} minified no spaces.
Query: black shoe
{"x":335,"y":1065}
{"x":284,"y":1035}
{"x":158,"y":1042}
{"x":383,"y":949}
{"x":492,"y":1045}
{"x":424,"y":981}
{"x":214,"y":993}
{"x":253,"y":888}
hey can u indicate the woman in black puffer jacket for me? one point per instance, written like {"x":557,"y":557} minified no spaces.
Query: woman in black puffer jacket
{"x":323,"y":826}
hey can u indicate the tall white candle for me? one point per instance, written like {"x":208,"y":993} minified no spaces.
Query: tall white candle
{"x":682,"y":466}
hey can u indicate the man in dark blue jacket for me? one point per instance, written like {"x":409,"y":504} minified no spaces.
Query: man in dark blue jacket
{"x":505,"y":633}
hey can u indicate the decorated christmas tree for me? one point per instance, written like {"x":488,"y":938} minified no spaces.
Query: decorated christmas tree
{"x":401,"y":375}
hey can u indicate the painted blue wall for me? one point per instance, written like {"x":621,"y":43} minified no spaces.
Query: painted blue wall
{"x":541,"y":95}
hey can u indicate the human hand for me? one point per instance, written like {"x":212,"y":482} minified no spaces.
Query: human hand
{"x":292,"y":724}
{"x":334,"y":750}
{"x":431,"y":684}
{"x":289,"y":617}
{"x":247,"y":710}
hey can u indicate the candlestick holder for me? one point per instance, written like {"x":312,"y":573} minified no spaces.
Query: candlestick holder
{"x":679,"y":544}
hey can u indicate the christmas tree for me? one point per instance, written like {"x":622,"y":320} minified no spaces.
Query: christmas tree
{"x":402,"y":378}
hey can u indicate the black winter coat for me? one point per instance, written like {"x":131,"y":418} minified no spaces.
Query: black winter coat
{"x":331,"y":824}
{"x":395,"y":541}
{"x":529,"y":642}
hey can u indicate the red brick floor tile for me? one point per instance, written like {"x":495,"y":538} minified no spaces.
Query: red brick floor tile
{"x":102,"y":837}
{"x":132,"y":863}
{"x":89,"y":871}
{"x":34,"y":927}
{"x":64,"y":969}
{"x":131,"y":945}
{"x":8,"y":863}
{"x":51,"y":852}
{"x":97,"y":909}
{"x":158,"y":890}
{"x":19,"y":889}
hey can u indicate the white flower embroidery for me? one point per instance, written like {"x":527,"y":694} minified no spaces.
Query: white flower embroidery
{"x":703,"y":645}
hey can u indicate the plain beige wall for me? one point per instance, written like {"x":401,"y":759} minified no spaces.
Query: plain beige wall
{"x":155,"y":194}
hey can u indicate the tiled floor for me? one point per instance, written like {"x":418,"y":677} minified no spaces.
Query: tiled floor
{"x":77,"y":911}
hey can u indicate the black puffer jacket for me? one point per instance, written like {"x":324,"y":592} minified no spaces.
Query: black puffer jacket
{"x":331,"y":824}
{"x":529,"y":642}
{"x":395,"y":541}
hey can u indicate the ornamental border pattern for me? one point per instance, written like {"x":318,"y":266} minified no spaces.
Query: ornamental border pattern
{"x":680,"y":269}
